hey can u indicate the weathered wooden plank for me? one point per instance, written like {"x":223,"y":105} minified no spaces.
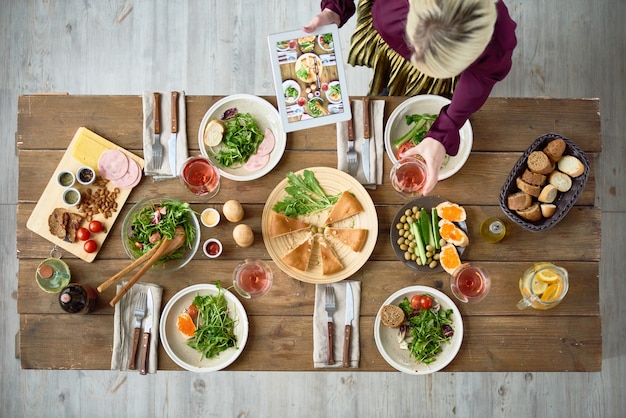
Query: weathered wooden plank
{"x":503,"y":124}
{"x":493,"y":343}
{"x":290,"y":296}
{"x":576,"y":237}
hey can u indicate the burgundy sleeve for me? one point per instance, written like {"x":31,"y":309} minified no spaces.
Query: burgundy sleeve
{"x":344,"y":8}
{"x":476,"y":82}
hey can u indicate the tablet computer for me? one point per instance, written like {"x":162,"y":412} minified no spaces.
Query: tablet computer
{"x":309,"y":78}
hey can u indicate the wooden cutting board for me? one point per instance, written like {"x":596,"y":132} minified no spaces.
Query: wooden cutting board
{"x":85,"y":149}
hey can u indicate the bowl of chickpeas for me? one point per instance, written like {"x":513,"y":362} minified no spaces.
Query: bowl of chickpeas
{"x":403,"y":240}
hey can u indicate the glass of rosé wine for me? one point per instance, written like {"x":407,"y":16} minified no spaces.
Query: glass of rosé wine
{"x":252,"y":278}
{"x":200,"y":176}
{"x":408,"y":177}
{"x":470,"y":284}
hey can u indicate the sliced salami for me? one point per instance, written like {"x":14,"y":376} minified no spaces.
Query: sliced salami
{"x":268,"y":143}
{"x":113,"y":164}
{"x":257,"y":162}
{"x":131,"y":178}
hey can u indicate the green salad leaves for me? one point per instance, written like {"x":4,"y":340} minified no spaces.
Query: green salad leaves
{"x":304,"y":195}
{"x":242,"y":138}
{"x":427,"y":330}
{"x":157,"y":221}
{"x":215,"y":329}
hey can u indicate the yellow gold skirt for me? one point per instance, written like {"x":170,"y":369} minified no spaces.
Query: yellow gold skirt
{"x":392,"y":73}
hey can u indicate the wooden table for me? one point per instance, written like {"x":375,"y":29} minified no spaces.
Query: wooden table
{"x":498,"y":337}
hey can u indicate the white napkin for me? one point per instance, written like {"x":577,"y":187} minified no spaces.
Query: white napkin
{"x":320,"y":325}
{"x":377,"y":148}
{"x":165,"y":172}
{"x":124,"y":327}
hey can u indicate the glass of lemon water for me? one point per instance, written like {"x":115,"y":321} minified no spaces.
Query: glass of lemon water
{"x":543,"y":286}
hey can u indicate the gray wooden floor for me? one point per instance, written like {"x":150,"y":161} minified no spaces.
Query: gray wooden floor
{"x":573,"y":48}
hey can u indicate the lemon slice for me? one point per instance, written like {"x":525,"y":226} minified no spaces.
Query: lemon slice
{"x":552,"y":292}
{"x":548,"y":275}
{"x":539,"y":266}
{"x":538,"y":286}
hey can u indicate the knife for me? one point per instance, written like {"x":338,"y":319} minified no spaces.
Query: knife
{"x":157,"y":122}
{"x":365,"y":149}
{"x":147,"y":327}
{"x":348,"y":329}
{"x":172,"y":141}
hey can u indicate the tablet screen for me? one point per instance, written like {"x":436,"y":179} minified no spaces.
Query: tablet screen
{"x":309,"y":78}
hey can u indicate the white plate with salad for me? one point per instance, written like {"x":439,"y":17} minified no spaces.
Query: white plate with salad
{"x":246,"y":151}
{"x":444,"y":334}
{"x":213,"y":304}
{"x":427,"y":104}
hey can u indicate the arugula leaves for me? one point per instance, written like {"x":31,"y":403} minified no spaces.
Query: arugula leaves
{"x":216,"y":329}
{"x":305,"y":195}
{"x":242,"y":138}
{"x":427,"y":331}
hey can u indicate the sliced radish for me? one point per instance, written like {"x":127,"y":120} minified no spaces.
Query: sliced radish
{"x":268,"y":143}
{"x":257,"y":162}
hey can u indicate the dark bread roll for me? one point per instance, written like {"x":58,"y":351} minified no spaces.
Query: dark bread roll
{"x":391,"y":316}
{"x":534,"y":178}
{"x":519,"y":201}
{"x":555,"y":149}
{"x":538,"y":162}
{"x":531,"y":189}
{"x":532,"y":213}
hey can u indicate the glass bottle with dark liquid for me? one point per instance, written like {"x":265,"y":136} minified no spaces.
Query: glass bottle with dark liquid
{"x":77,"y":298}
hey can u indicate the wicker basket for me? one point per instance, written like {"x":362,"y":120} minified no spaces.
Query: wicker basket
{"x":564,"y":200}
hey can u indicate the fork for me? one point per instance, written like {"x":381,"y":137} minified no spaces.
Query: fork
{"x":330,"y":307}
{"x":140,"y":312}
{"x":157,"y":148}
{"x":351,"y":157}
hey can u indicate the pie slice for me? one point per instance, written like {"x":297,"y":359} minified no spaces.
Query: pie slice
{"x":352,"y":237}
{"x":298,"y":257}
{"x":282,"y":225}
{"x":347,"y":205}
{"x":330,"y":262}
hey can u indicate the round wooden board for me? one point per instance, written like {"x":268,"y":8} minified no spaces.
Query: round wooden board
{"x":333,"y":182}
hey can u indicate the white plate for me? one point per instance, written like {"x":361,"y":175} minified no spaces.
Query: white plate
{"x":401,"y":360}
{"x":264,"y":114}
{"x":295,"y":85}
{"x":176,"y":346}
{"x":432,"y":104}
{"x":327,"y":92}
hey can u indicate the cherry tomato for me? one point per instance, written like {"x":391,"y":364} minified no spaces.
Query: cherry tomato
{"x":90,"y":246}
{"x":95,"y":226}
{"x":426,"y":302}
{"x":404,"y":148}
{"x":415,"y":301}
{"x":192,"y":311}
{"x":82,"y":234}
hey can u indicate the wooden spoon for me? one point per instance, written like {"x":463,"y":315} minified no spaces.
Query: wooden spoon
{"x":167,"y":247}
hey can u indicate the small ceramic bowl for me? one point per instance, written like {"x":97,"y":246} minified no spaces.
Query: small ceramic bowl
{"x":85,"y":175}
{"x":66,"y":178}
{"x":210,"y":217}
{"x":71,"y":196}
{"x":212,"y":248}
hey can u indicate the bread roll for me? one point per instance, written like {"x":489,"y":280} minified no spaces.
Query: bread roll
{"x":519,"y":201}
{"x":571,"y":166}
{"x":214,"y":132}
{"x":391,"y":316}
{"x":547,"y":209}
{"x":533,"y":213}
{"x":548,"y":193}
{"x":538,"y":162}
{"x":554,"y":150}
{"x":531,"y":189}
{"x":561,"y":181}
{"x":534,"y":178}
